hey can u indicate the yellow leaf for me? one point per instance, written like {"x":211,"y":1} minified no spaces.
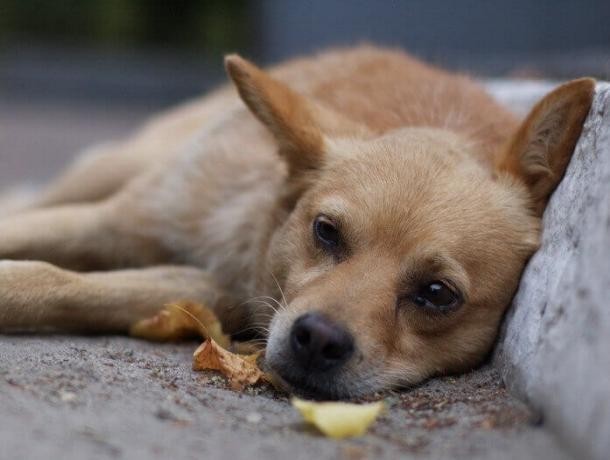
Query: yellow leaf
{"x":241,"y":370}
{"x":339,"y":420}
{"x":179,"y":321}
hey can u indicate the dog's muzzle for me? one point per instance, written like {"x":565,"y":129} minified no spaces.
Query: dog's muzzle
{"x":312,"y":356}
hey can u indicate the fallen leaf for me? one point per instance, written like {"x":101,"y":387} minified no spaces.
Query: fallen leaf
{"x":339,"y":420}
{"x":241,"y":370}
{"x":179,"y":321}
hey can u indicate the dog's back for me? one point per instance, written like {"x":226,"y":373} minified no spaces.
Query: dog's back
{"x":380,"y":88}
{"x":388,"y":89}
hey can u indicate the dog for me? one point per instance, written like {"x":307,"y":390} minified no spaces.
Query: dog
{"x":370,"y":213}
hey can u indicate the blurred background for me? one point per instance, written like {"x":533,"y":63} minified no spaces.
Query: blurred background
{"x":73,"y":72}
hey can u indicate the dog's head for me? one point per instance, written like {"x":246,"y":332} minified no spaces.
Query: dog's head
{"x":398,"y":254}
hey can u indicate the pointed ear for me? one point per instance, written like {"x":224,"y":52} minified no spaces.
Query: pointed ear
{"x":297,"y":123}
{"x":540,"y":151}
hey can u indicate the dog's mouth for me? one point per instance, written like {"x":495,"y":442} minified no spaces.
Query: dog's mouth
{"x":304,"y":389}
{"x":320,"y":387}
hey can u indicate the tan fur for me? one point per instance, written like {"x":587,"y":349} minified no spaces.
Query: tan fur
{"x":428,"y":177}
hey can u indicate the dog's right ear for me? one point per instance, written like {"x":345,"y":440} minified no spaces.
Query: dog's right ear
{"x":298,"y":124}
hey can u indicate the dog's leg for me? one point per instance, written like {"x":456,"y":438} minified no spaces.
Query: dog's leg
{"x":102,"y":170}
{"x":80,"y":237}
{"x":39,"y":297}
{"x":96,"y":174}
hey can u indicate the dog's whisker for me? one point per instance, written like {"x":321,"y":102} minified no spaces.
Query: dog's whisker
{"x":279,"y":288}
{"x":252,"y":328}
{"x":266,"y":304}
{"x":258,"y":341}
{"x":262,"y":321}
{"x":267,"y":315}
{"x":250,"y":300}
{"x":261,"y":299}
{"x":275,"y":301}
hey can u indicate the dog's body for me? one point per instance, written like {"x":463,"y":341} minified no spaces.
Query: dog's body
{"x":392,"y":227}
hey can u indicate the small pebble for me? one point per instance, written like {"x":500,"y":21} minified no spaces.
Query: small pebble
{"x":254,"y":417}
{"x":67,"y":396}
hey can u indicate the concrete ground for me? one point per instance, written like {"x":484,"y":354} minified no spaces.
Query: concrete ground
{"x":112,"y":397}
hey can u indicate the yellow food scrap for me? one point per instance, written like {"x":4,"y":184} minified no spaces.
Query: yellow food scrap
{"x":179,"y":321}
{"x":339,"y":420}
{"x":241,"y":370}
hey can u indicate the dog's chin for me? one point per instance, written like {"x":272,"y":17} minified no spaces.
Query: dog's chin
{"x":308,"y":389}
{"x":323,"y":386}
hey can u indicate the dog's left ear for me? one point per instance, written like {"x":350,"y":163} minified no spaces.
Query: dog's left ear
{"x":540,"y":151}
{"x":298,"y":124}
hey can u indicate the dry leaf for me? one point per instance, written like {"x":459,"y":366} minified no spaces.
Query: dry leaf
{"x":181,"y":320}
{"x":241,"y":370}
{"x":339,"y":420}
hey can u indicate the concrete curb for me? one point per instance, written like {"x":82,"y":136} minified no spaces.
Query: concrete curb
{"x":555,"y":346}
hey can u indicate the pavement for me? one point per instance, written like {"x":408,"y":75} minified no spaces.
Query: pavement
{"x":114,"y":397}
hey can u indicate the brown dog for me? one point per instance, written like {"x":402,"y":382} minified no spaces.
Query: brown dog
{"x":376,"y":218}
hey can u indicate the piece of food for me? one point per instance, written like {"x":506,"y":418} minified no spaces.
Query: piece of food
{"x":339,"y":420}
{"x":179,"y":321}
{"x":240,"y":370}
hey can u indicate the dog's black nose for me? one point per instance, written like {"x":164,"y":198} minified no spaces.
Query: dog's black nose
{"x":319,"y":344}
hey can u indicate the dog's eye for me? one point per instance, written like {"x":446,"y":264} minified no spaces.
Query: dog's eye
{"x":326,"y":233}
{"x":436,"y":296}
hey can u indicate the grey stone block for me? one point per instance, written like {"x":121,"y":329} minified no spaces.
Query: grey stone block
{"x":518,"y":95}
{"x":555,"y":346}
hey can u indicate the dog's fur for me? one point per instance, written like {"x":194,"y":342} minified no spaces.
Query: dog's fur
{"x":425,"y":177}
